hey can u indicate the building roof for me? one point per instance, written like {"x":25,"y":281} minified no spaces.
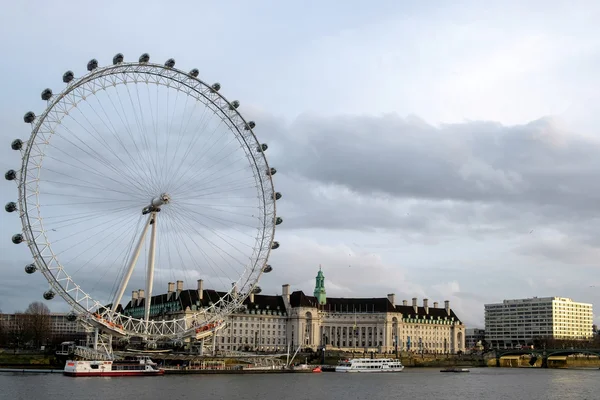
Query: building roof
{"x":190,"y":298}
{"x":409,"y":312}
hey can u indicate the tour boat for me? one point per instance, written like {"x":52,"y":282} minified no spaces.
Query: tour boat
{"x":370,"y":365}
{"x":455,"y":370}
{"x":142,"y":366}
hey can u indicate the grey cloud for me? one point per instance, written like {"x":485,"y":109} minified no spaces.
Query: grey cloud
{"x":475,"y":161}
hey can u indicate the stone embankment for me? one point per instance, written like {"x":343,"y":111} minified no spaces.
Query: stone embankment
{"x":526,"y":361}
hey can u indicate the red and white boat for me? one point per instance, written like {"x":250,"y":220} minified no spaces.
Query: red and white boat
{"x":142,"y":366}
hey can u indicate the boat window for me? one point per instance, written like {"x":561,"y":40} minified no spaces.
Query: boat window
{"x":94,"y":366}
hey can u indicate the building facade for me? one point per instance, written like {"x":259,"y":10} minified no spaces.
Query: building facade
{"x":474,"y":336}
{"x":15,"y":326}
{"x":514,"y":323}
{"x":272,"y":323}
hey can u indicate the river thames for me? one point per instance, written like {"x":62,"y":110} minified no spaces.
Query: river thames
{"x":421,"y":384}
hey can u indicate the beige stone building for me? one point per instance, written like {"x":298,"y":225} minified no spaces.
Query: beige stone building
{"x":272,"y":322}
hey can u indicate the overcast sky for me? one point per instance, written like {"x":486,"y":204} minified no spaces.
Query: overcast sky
{"x":439,"y":151}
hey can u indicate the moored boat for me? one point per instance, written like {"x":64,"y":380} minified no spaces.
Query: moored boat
{"x":141,"y":366}
{"x":370,"y":365}
{"x":455,"y":370}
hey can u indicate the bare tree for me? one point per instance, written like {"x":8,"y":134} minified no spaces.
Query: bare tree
{"x":18,"y":333}
{"x":38,"y":322}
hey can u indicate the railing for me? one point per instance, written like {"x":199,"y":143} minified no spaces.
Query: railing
{"x":91,"y":354}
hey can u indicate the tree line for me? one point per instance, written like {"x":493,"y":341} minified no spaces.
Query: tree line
{"x":31,"y":328}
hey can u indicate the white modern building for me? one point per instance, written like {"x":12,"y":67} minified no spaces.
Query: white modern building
{"x":514,"y":323}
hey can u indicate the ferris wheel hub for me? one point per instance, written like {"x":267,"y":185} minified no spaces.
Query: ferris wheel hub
{"x":156,"y":203}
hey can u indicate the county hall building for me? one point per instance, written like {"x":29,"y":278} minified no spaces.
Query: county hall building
{"x":272,"y":322}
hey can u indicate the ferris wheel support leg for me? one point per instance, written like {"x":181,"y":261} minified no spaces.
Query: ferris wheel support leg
{"x":150,"y":275}
{"x":95,"y":338}
{"x":134,"y":259}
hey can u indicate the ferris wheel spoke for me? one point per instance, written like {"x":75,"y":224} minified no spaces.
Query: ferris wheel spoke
{"x":188,"y":152}
{"x":70,"y":222}
{"x":99,"y":137}
{"x":217,"y":271}
{"x":225,"y":255}
{"x":143,"y":134}
{"x":201,"y":123}
{"x":164,"y":176}
{"x":204,"y":171}
{"x":100,"y":159}
{"x":206,"y":184}
{"x":137,"y":151}
{"x":110,"y":127}
{"x":90,"y":170}
{"x":221,"y":235}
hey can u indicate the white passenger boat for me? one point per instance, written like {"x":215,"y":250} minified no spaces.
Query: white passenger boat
{"x":142,"y":366}
{"x":370,"y":365}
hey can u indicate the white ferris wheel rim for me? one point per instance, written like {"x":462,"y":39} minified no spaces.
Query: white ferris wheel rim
{"x":33,"y":227}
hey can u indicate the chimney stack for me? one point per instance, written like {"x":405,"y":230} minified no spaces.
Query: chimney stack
{"x":447,"y":307}
{"x":426,"y":305}
{"x":179,"y":288}
{"x":200,"y":289}
{"x":415,"y":307}
{"x":134,"y":297}
{"x":392,"y":299}
{"x":435,"y":304}
{"x":141,"y":295}
{"x":170,"y":290}
{"x":285,"y":291}
{"x":404,"y":302}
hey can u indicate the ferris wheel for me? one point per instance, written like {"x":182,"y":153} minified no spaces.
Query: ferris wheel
{"x":138,"y":175}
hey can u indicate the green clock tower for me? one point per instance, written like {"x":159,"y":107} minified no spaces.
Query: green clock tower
{"x":320,"y":288}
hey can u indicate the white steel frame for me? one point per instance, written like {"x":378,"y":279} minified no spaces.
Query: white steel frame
{"x":107,"y":318}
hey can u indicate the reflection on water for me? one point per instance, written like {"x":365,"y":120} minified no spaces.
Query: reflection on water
{"x":421,"y":384}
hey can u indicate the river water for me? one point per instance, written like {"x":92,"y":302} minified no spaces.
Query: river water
{"x":420,"y":384}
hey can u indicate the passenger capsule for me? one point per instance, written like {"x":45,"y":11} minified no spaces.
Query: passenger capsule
{"x":216,"y":86}
{"x":10,"y":175}
{"x":234,"y":104}
{"x":71,"y":317}
{"x":267,"y":268}
{"x":262,"y":147}
{"x":118,"y":59}
{"x":277,"y":195}
{"x":68,"y":76}
{"x":92,"y":64}
{"x":18,"y":238}
{"x":30,"y":268}
{"x":49,"y":295}
{"x":256,"y":290}
{"x":278,"y":221}
{"x":275,"y":245}
{"x":16,"y":144}
{"x":144,"y":58}
{"x":170,"y":63}
{"x":29,"y":117}
{"x":10,"y":206}
{"x":46,"y":94}
{"x":194,"y":72}
{"x":271,"y":171}
{"x":250,"y":125}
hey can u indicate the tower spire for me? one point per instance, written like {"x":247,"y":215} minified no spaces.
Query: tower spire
{"x":319,"y":292}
